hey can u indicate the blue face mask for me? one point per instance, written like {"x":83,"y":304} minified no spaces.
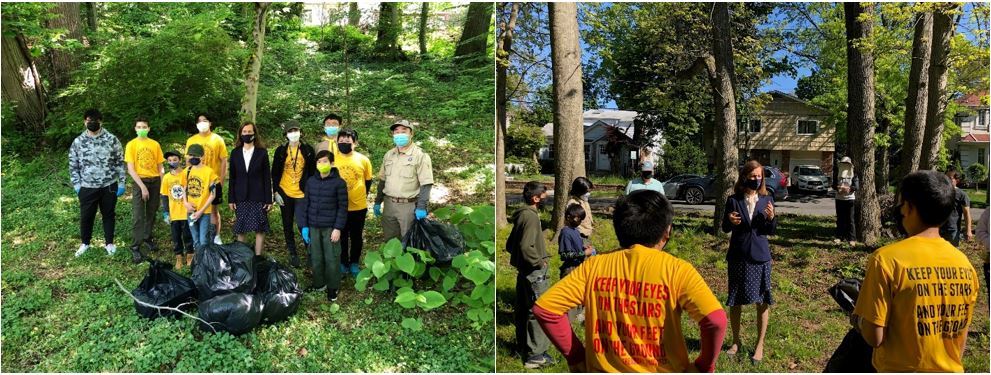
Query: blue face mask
{"x":401,"y":140}
{"x":331,"y":130}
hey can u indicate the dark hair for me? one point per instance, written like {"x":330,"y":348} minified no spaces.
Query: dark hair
{"x":532,"y":189}
{"x":750,"y":166}
{"x":333,"y":116}
{"x":580,"y":186}
{"x":954,"y":173}
{"x":575,"y":211}
{"x":929,"y":192}
{"x":349,"y":133}
{"x":325,"y":154}
{"x":93,"y":114}
{"x":642,"y":217}
{"x":141,"y":119}
{"x":258,"y":135}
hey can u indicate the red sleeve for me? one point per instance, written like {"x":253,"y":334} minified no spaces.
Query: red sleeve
{"x":713,"y":330}
{"x":558,"y":330}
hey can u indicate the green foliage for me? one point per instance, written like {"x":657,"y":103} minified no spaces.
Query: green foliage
{"x":977,"y":172}
{"x":683,"y":158}
{"x":26,"y":19}
{"x":343,"y":38}
{"x":523,"y":141}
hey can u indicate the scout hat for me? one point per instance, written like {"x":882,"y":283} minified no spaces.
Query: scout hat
{"x":401,"y":123}
{"x":195,"y":150}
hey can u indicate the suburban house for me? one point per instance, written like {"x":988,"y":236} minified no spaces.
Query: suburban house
{"x":604,"y":129}
{"x":973,"y":119}
{"x":786,"y":133}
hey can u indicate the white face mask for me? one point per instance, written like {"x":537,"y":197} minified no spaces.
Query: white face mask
{"x":586,"y":196}
{"x":293,"y":137}
{"x":203,"y":126}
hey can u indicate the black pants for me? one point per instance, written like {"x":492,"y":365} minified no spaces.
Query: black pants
{"x":91,"y":199}
{"x":182,"y":238}
{"x":352,"y":239}
{"x":845,"y":221}
{"x":288,"y":211}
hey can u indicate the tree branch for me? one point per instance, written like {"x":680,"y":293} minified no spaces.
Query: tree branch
{"x":176,"y":309}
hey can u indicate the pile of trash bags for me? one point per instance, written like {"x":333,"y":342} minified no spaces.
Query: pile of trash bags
{"x":853,"y":354}
{"x":443,"y":241}
{"x":236,"y":290}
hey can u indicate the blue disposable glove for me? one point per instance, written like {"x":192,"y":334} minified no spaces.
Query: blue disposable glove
{"x":120,"y":191}
{"x":377,"y":209}
{"x":306,"y":235}
{"x":76,"y":188}
{"x":165,"y":216}
{"x":420,"y":213}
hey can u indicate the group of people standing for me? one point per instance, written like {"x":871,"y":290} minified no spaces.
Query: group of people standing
{"x":322,"y":191}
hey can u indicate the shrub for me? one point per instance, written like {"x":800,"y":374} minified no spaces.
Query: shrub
{"x":683,"y":158}
{"x":977,"y":173}
{"x":339,"y":38}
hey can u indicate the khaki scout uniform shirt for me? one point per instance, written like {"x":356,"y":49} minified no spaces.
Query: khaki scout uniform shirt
{"x":405,"y":172}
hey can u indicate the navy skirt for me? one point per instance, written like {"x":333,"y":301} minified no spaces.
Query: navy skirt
{"x":749,"y":283}
{"x":250,"y":217}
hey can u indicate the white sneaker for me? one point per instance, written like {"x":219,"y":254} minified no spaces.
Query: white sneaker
{"x":82,"y":249}
{"x":111,"y":249}
{"x":216,"y":240}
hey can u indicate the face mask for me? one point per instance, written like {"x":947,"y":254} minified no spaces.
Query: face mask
{"x":247,"y":138}
{"x":752,"y":184}
{"x":203,"y":127}
{"x":142,"y":132}
{"x":331,"y":130}
{"x":646,"y":175}
{"x":323,"y":168}
{"x":93,"y":126}
{"x":194,"y":161}
{"x":344,"y":147}
{"x":293,"y":137}
{"x":401,"y":140}
{"x":173,"y":164}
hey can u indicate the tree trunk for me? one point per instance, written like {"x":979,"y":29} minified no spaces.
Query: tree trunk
{"x":882,"y":168}
{"x":387,"y":41}
{"x":721,"y":78}
{"x":354,"y":14}
{"x":860,"y":118}
{"x":915,"y":104}
{"x":249,"y":103}
{"x":474,"y":36}
{"x":60,"y":63}
{"x":22,"y":87}
{"x":91,"y":16}
{"x":502,"y":122}
{"x":936,"y":106}
{"x":569,"y":139}
{"x":424,"y":12}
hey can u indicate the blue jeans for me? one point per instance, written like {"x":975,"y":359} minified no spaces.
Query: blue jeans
{"x":200,"y":229}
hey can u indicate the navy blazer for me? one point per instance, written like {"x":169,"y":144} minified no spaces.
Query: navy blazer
{"x":749,"y":239}
{"x":253,"y":184}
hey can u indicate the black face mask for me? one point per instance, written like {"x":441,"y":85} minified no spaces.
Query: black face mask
{"x":194,"y":161}
{"x":93,"y":126}
{"x":247,"y":138}
{"x":646,"y":175}
{"x":752,"y":184}
{"x":344,"y":147}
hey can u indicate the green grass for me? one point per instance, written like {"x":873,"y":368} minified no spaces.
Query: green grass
{"x":806,"y":324}
{"x":978,"y":199}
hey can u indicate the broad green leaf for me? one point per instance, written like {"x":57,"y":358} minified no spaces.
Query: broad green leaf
{"x":371,"y":258}
{"x":334,"y":307}
{"x":406,"y":299}
{"x":449,"y":282}
{"x":402,"y":283}
{"x":435,"y":273}
{"x":361,"y":281}
{"x":392,"y":248}
{"x":369,"y":300}
{"x":433,"y":300}
{"x":443,"y":213}
{"x":406,"y":263}
{"x":459,"y":261}
{"x":381,"y":286}
{"x":380,"y":268}
{"x":479,"y":218}
{"x":476,"y":275}
{"x":412,"y":324}
{"x":419,"y":269}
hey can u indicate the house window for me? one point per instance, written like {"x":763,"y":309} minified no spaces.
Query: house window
{"x":755,"y":126}
{"x":603,"y":150}
{"x":982,"y":156}
{"x":808,"y":127}
{"x":550,"y":151}
{"x":982,"y":119}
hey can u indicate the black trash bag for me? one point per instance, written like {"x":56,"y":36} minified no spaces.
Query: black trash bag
{"x":162,"y":287}
{"x":443,"y":241}
{"x":222,"y":269}
{"x":236,"y":313}
{"x":853,"y":355}
{"x":278,"y":291}
{"x":845,"y":293}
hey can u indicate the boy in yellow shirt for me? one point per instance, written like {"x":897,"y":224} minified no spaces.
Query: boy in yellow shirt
{"x":174,"y":209}
{"x":200,"y":185}
{"x":356,"y":170}
{"x":919,"y":294}
{"x":144,"y":159}
{"x":215,"y":157}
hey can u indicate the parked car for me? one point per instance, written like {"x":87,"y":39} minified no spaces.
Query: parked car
{"x":700,"y":189}
{"x":673,"y":184}
{"x":809,"y":178}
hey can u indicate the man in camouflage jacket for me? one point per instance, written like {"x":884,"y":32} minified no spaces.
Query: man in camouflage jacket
{"x":97,"y":170}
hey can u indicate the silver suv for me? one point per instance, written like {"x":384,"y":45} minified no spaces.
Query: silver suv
{"x":809,"y":178}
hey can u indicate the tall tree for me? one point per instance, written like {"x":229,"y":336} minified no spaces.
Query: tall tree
{"x":860,"y":118}
{"x":505,"y":44}
{"x":721,"y":79}
{"x":424,"y":12}
{"x":569,"y":141}
{"x":475,"y":34}
{"x":918,"y":91}
{"x":354,"y":14}
{"x":249,"y":103}
{"x":389,"y":26}
{"x":91,"y":16}
{"x":943,"y":25}
{"x":61,"y":62}
{"x":22,"y":86}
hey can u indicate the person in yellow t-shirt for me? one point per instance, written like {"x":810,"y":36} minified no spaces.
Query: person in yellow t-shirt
{"x":215,"y":157}
{"x":634,"y":299}
{"x":174,"y":209}
{"x":293,"y":164}
{"x":356,"y":170}
{"x":144,"y":159}
{"x":200,"y":185}
{"x":919,"y":294}
{"x":331,"y":126}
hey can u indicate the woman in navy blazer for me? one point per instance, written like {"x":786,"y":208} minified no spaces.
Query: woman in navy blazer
{"x":749,"y":215}
{"x":250,"y":187}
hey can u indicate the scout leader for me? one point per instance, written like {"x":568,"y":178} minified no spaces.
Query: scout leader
{"x":404,"y":183}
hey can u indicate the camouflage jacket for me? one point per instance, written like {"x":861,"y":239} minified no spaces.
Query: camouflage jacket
{"x":96,"y":162}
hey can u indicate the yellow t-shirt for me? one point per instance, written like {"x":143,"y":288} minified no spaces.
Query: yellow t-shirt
{"x":633,"y":302}
{"x":173,"y":189}
{"x":355,"y":169}
{"x":198,"y":186}
{"x":214,"y":149}
{"x":923,"y":291}
{"x":146,"y":155}
{"x":292,"y":172}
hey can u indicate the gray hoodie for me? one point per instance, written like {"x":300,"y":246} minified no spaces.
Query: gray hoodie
{"x":96,"y":161}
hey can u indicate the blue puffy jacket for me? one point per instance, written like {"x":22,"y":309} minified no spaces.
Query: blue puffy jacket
{"x":324,"y":203}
